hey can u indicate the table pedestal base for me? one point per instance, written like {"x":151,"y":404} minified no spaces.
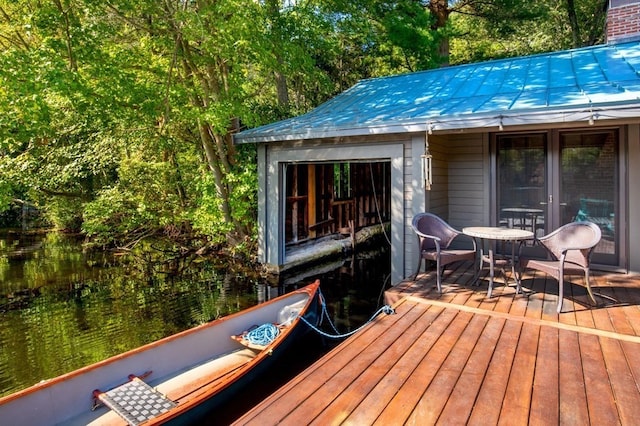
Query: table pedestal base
{"x":498,"y":260}
{"x":491,"y":235}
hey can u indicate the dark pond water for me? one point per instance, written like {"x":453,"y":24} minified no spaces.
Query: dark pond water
{"x":62,"y":308}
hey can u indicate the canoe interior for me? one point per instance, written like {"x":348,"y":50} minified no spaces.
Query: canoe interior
{"x":179,"y":364}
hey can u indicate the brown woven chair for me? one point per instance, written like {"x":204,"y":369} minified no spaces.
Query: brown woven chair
{"x":569,"y":250}
{"x":435,"y":237}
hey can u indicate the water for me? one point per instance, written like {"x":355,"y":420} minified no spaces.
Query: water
{"x":354,"y":292}
{"x":62,"y":308}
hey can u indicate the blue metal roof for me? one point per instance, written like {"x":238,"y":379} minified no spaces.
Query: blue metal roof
{"x":600,"y":82}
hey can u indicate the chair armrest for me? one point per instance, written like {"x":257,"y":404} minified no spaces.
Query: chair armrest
{"x":431,"y":237}
{"x":565,"y":249}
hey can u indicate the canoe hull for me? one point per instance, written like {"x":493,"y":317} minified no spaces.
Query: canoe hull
{"x":209,"y":402}
{"x":175,"y":362}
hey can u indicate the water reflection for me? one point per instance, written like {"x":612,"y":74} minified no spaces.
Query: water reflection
{"x":62,"y":308}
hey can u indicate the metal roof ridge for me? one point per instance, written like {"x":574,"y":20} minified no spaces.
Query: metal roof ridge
{"x":577,"y":80}
{"x":624,"y":58}
{"x":470,"y":122}
{"x":498,"y":60}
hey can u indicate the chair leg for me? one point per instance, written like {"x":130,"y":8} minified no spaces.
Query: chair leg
{"x":586,"y":278}
{"x":560,"y":291}
{"x":518,"y":272}
{"x":438,"y":275}
{"x":476,"y":272}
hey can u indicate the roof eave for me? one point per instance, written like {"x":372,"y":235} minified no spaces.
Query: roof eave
{"x":455,"y":123}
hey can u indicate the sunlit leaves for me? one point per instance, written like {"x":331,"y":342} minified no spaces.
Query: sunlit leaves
{"x":507,"y":28}
{"x":117,"y":116}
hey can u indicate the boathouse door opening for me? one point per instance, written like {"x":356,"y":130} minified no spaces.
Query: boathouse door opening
{"x":335,"y":198}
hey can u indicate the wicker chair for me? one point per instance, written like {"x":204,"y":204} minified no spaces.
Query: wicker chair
{"x":435,"y":237}
{"x":569,"y":250}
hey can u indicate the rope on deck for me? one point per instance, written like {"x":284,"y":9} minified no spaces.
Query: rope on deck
{"x":387,"y":309}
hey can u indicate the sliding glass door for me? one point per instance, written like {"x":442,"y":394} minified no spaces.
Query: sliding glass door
{"x":545,"y":180}
{"x":588,"y":185}
{"x":522,"y":184}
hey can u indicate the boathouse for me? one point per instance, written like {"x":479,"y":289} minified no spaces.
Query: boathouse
{"x":534,"y":141}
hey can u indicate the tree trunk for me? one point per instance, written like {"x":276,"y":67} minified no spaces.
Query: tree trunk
{"x":212,"y":81}
{"x":440,"y":10}
{"x":222,"y":191}
{"x":282,"y":89}
{"x":66,"y":12}
{"x":573,"y":22}
{"x":277,"y":37}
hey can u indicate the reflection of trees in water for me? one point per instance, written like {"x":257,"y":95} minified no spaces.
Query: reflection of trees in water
{"x":64,"y":307}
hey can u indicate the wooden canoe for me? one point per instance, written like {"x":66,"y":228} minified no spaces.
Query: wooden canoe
{"x":190,"y":372}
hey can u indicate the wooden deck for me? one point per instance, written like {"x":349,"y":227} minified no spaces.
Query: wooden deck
{"x":460,"y":358}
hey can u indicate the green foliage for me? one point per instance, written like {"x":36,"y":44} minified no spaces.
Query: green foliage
{"x":143,"y":201}
{"x":117,"y":118}
{"x":64,"y":214}
{"x":6,"y":195}
{"x":411,"y":42}
{"x":507,"y":28}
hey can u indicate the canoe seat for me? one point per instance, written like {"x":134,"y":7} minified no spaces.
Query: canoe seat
{"x":135,"y":401}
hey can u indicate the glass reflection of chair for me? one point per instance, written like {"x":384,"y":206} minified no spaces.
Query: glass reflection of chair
{"x":600,"y":212}
{"x":569,"y":250}
{"x":435,"y":238}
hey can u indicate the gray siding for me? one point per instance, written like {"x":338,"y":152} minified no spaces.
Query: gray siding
{"x":270,"y":215}
{"x":468,"y":181}
{"x":439,"y":194}
{"x":460,"y":191}
{"x":414,"y":200}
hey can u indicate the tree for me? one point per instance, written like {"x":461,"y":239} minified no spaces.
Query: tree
{"x":118,"y":116}
{"x":488,"y":30}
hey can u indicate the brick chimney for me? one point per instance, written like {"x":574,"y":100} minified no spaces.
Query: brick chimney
{"x":623,"y":21}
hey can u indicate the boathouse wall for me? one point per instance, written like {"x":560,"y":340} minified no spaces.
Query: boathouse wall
{"x":387,"y":119}
{"x":272,"y":160}
{"x":462,"y":189}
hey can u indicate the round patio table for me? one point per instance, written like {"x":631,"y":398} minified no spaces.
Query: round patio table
{"x":492,"y":234}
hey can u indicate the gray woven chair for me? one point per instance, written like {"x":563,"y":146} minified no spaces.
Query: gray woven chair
{"x":435,"y":237}
{"x":569,"y":250}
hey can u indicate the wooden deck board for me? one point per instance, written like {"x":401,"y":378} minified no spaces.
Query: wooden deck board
{"x":572,"y":392}
{"x":621,"y":379}
{"x":355,"y":365}
{"x":460,"y":358}
{"x":493,"y":388}
{"x":378,"y":399}
{"x":600,"y":398}
{"x":348,"y":400}
{"x":434,"y":399}
{"x":410,"y":393}
{"x":459,"y":405}
{"x":545,"y":403}
{"x":517,"y":397}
